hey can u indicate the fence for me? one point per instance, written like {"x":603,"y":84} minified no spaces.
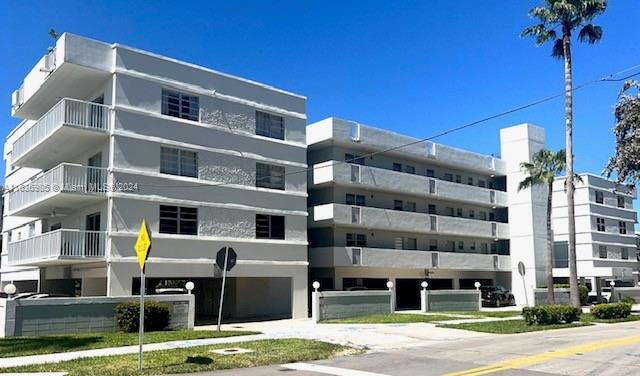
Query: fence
{"x":329,"y":305}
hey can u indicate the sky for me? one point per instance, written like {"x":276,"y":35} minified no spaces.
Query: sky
{"x":415,"y":67}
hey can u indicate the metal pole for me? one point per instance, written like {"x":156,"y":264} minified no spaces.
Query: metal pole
{"x":524,"y":286}
{"x":141,"y":314}
{"x":224,"y":279}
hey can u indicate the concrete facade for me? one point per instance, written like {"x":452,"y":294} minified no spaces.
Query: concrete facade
{"x":109,"y":130}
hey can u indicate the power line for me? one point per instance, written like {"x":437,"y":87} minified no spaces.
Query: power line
{"x":607,"y":78}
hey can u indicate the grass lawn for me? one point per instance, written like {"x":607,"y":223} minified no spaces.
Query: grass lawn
{"x":19,"y":346}
{"x":196,"y":359}
{"x":588,"y":318}
{"x":395,"y":318}
{"x":509,"y":326}
{"x":493,"y":314}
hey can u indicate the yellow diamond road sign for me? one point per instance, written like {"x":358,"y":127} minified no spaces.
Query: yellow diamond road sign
{"x":143,"y":244}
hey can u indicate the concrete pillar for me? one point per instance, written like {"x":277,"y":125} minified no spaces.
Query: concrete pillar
{"x":527,"y":210}
{"x":315,"y":306}
{"x":299,"y":308}
{"x":424,"y":301}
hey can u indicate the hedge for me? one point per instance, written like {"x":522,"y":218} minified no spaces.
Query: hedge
{"x":611,"y":311}
{"x":156,"y":316}
{"x":551,"y":314}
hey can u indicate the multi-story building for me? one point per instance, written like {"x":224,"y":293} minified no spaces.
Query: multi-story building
{"x":422,"y":211}
{"x":605,"y":237}
{"x":112,"y":135}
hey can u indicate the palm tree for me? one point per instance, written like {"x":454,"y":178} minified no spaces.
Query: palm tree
{"x":543,"y":169}
{"x":567,"y":16}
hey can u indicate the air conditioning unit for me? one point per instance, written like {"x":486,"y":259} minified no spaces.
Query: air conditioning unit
{"x":49,"y":62}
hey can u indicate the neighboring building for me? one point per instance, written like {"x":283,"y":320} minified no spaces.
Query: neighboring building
{"x":605,"y":238}
{"x":425,"y":211}
{"x":112,"y":135}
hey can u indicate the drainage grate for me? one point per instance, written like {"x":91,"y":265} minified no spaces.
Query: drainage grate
{"x":232,"y":351}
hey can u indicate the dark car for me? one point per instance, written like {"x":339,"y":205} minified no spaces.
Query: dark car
{"x":496,"y":296}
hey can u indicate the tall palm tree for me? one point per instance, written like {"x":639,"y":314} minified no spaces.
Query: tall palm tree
{"x":542,"y":170}
{"x":567,"y":16}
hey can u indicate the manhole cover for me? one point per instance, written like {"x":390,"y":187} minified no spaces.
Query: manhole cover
{"x":232,"y":351}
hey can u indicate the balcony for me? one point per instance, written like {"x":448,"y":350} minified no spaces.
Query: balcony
{"x":58,"y":247}
{"x":47,"y":141}
{"x":61,"y":190}
{"x":405,"y":183}
{"x":403,"y":259}
{"x":387,"y":219}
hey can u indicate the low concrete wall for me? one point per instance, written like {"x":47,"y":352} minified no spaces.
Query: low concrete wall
{"x":450,"y":300}
{"x":621,"y":292}
{"x":329,"y":305}
{"x":40,"y":317}
{"x":561,"y":296}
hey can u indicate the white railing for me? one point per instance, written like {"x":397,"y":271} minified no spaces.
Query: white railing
{"x":68,"y":112}
{"x":58,"y":244}
{"x":64,"y":178}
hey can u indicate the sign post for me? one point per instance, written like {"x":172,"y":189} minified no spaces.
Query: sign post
{"x":522,"y":271}
{"x":142,"y":248}
{"x":225,"y":259}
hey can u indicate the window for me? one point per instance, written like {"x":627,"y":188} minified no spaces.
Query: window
{"x":492,"y":216}
{"x":397,"y":167}
{"x":409,"y":169}
{"x":269,"y":226}
{"x":624,"y":253}
{"x":602,"y":251}
{"x":356,"y":240}
{"x":410,"y":207}
{"x":433,"y":245}
{"x":352,"y":158}
{"x":482,"y":183}
{"x":397,"y":204}
{"x":178,"y":162}
{"x":32,"y":229}
{"x":431,"y":209}
{"x":431,"y":173}
{"x":472,"y":213}
{"x":178,"y":220}
{"x":494,"y":248}
{"x":461,"y":245}
{"x":470,"y":181}
{"x":620,"y":201}
{"x":9,"y":236}
{"x":484,"y":248}
{"x":459,"y":212}
{"x":353,"y":199}
{"x":483,"y":216}
{"x":600,"y":225}
{"x":269,"y":176}
{"x":599,"y":197}
{"x":410,"y":244}
{"x":458,"y":179}
{"x":448,"y":177}
{"x":451,"y":245}
{"x":622,"y":227}
{"x":448,"y":211}
{"x":269,"y":125}
{"x":180,"y":105}
{"x":472,"y":246}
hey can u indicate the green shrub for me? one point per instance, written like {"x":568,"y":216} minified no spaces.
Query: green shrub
{"x":551,"y":314}
{"x":156,"y":316}
{"x":628,"y":300}
{"x":584,"y":294}
{"x":611,"y":311}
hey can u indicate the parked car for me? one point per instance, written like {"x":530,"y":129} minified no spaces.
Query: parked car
{"x":171,"y":291}
{"x":45,"y":296}
{"x":22,"y":295}
{"x":496,"y":296}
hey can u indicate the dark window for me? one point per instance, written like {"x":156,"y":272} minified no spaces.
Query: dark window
{"x":599,"y":197}
{"x":624,"y":253}
{"x":472,"y":213}
{"x":459,"y":212}
{"x":409,"y":169}
{"x":461,"y":245}
{"x":397,"y":167}
{"x":483,"y":216}
{"x":410,"y":244}
{"x":622,"y":227}
{"x":356,"y":240}
{"x":353,"y":199}
{"x":448,"y":177}
{"x":484,"y":248}
{"x":472,"y":246}
{"x":178,"y":220}
{"x":470,"y":180}
{"x":621,"y":202}
{"x":600,"y":225}
{"x":481,"y":183}
{"x":410,"y":207}
{"x":352,"y":158}
{"x":431,"y":173}
{"x":494,"y":248}
{"x":178,"y":162}
{"x":397,"y":204}
{"x":492,"y":216}
{"x":269,"y":125}
{"x":602,"y":251}
{"x":269,"y":176}
{"x":433,"y":245}
{"x":432,"y":209}
{"x":269,"y":226}
{"x":180,"y":105}
{"x":458,"y":179}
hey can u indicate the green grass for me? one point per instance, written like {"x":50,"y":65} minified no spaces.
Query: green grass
{"x":395,"y":318}
{"x":20,"y":346}
{"x":196,"y":359}
{"x":492,"y":314}
{"x":509,"y":326}
{"x":588,"y":318}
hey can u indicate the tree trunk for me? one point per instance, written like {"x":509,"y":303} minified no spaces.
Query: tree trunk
{"x":573,"y":269}
{"x":550,"y":296}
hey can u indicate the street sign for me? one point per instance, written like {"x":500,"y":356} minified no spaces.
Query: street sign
{"x":521,"y":268}
{"x":231,"y":258}
{"x":143,"y":244}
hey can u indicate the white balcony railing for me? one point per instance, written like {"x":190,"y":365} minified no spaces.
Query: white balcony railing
{"x":70,"y":112}
{"x":64,"y":178}
{"x":57,"y":245}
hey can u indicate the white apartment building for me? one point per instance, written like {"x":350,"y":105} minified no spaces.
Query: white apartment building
{"x":605,"y":237}
{"x":422,"y":212}
{"x":111,"y":135}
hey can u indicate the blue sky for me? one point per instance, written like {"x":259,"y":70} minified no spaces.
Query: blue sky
{"x":418,"y":68}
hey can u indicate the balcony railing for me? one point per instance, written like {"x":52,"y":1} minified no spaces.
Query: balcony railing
{"x":56,"y":246}
{"x":70,"y":112}
{"x":64,"y":178}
